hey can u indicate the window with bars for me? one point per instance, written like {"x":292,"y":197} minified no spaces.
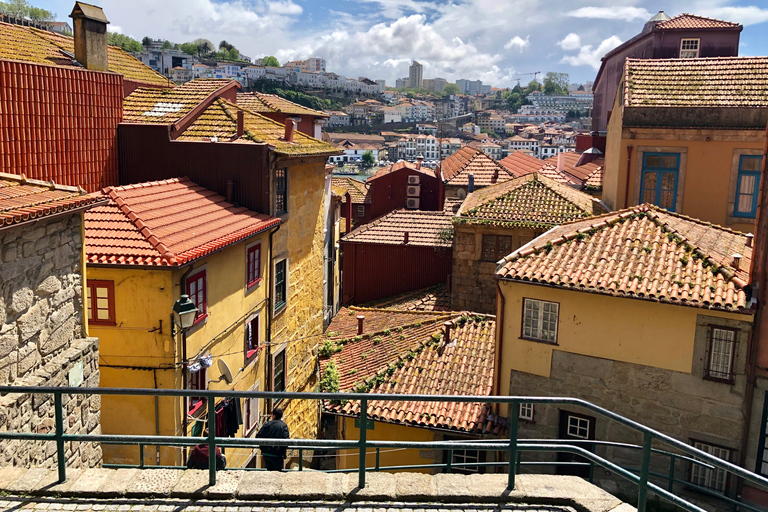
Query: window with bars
{"x":198,"y":293}
{"x":100,"y":302}
{"x":281,"y":191}
{"x":540,"y":320}
{"x":715,"y":478}
{"x":496,"y":247}
{"x":722,"y":348}
{"x":251,"y":338}
{"x":689,"y":49}
{"x":253,"y":265}
{"x":281,"y":284}
{"x":747,"y":186}
{"x":526,"y":412}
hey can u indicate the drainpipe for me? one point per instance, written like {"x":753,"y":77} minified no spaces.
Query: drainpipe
{"x":499,"y":332}
{"x":157,"y":419}
{"x":268,"y":380}
{"x":629,"y":168}
{"x":184,"y":420}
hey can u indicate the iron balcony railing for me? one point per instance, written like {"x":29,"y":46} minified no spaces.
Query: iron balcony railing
{"x":512,"y":446}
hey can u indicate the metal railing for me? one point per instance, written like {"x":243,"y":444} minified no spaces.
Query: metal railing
{"x":512,"y":446}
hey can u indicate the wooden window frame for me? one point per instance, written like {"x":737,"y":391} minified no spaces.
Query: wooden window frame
{"x":710,"y":346}
{"x":361,"y":210}
{"x":250,"y":352}
{"x":202,"y":313}
{"x":281,"y":190}
{"x":253,"y":276}
{"x":248,"y":428}
{"x":195,"y":403}
{"x":731,"y":453}
{"x":497,"y":251}
{"x":538,"y":340}
{"x":92,"y":284}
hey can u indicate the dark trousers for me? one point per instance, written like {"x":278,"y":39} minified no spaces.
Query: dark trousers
{"x":273,"y":462}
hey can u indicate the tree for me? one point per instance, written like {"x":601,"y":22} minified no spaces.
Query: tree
{"x":204,"y":46}
{"x":451,"y":89}
{"x":15,"y":8}
{"x":188,"y":48}
{"x":146,"y":41}
{"x":270,"y":61}
{"x":556,"y":83}
{"x":225,"y":46}
{"x":38,"y":14}
{"x":126,"y":43}
{"x":167,"y":45}
{"x":368,"y":159}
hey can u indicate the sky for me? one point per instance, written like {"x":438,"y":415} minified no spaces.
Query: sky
{"x":496,"y":41}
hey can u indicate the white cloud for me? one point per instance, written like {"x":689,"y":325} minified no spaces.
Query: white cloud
{"x":287,"y":7}
{"x":570,"y":42}
{"x":749,"y":15}
{"x":591,"y":57}
{"x":518,"y":43}
{"x":117,"y":29}
{"x":612,"y":13}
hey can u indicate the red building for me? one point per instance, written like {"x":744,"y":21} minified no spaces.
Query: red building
{"x":405,"y":185}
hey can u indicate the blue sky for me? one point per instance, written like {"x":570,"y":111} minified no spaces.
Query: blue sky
{"x":495,"y":41}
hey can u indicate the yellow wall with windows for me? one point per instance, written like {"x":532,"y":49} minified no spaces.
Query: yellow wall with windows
{"x":143,"y":298}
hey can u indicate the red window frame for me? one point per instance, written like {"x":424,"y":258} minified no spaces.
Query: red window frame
{"x":198,"y":380}
{"x":252,"y":340}
{"x":253,"y":265}
{"x":200,"y":296}
{"x":91,"y":304}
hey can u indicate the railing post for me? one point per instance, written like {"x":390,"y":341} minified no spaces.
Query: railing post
{"x":514,"y":417}
{"x":378,"y":454}
{"x":301,"y":459}
{"x":645,"y":469}
{"x":61,"y":456}
{"x":141,"y":455}
{"x":671,"y":485}
{"x":211,"y":441}
{"x":363,"y":436}
{"x":450,"y":461}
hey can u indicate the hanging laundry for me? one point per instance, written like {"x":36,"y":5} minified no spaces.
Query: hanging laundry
{"x":194,"y":367}
{"x":206,"y":361}
{"x":234,"y":416}
{"x":197,"y":428}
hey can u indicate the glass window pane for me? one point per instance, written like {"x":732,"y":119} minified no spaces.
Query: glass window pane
{"x":649,"y":187}
{"x":102,"y":314}
{"x":102,"y":292}
{"x":750,"y":163}
{"x":653,"y":161}
{"x":669,"y":161}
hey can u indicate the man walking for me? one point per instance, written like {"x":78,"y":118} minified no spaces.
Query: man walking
{"x":274,"y":429}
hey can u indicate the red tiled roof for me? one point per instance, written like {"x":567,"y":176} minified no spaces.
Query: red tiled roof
{"x":166,"y":223}
{"x":359,"y":191}
{"x":595,"y":180}
{"x":532,"y":201}
{"x":551,"y":172}
{"x":417,"y":359}
{"x":710,"y":82}
{"x":686,"y":20}
{"x":644,"y":253}
{"x":582,"y":171}
{"x":271,"y":103}
{"x":487,"y":171}
{"x":167,"y":106}
{"x":520,"y":163}
{"x":435,"y":298}
{"x":424,"y":229}
{"x":399,"y":166}
{"x":22,"y":199}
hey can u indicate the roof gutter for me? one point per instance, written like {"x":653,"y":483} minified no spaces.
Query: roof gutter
{"x":60,"y":213}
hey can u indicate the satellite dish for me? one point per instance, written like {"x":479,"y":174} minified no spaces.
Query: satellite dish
{"x":226,"y":373}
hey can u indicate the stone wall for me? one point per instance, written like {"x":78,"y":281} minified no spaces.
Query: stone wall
{"x":24,"y":412}
{"x":40,"y":294}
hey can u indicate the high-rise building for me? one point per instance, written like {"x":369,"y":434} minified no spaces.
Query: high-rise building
{"x":415,"y":75}
{"x":402,"y":83}
{"x":382,"y":83}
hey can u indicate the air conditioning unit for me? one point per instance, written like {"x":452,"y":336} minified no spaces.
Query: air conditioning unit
{"x":412,"y":203}
{"x":414,"y":190}
{"x":413,"y":180}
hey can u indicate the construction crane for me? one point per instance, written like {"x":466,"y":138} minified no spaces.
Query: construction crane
{"x":535,"y":74}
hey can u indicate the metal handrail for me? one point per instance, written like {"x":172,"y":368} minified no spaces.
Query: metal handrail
{"x":512,"y":446}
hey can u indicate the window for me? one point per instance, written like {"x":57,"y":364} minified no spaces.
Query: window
{"x":716,"y":478}
{"x":251,"y":338}
{"x":762,"y":446}
{"x":659,"y":179}
{"x":361,"y":211}
{"x":689,"y":49}
{"x":281,"y":284}
{"x":281,"y":191}
{"x":198,"y":293}
{"x":496,"y":247}
{"x":747,"y":186}
{"x":578,"y":427}
{"x":722,"y":344}
{"x":253,"y":265}
{"x":100,"y":301}
{"x":540,"y":320}
{"x":252,"y":412}
{"x":466,"y":457}
{"x":197,"y":380}
{"x":526,"y":412}
{"x":279,"y":371}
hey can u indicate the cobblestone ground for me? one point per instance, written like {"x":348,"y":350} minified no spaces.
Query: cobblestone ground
{"x":10,"y":504}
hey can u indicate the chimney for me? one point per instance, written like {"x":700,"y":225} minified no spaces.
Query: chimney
{"x":448,"y":326}
{"x":240,"y":123}
{"x":736,"y":260}
{"x":230,"y":190}
{"x":560,"y":161}
{"x":290,"y":127}
{"x":405,"y":238}
{"x":419,"y":159}
{"x":360,"y":319}
{"x":471,"y":179}
{"x":750,"y":237}
{"x":90,"y":26}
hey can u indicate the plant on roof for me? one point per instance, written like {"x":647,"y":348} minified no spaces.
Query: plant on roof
{"x":581,"y":236}
{"x":548,"y":247}
{"x":386,"y":332}
{"x":417,"y":324}
{"x":684,"y":261}
{"x":357,"y":338}
{"x":328,"y":348}
{"x":331,"y":334}
{"x":401,"y":337}
{"x":377,"y":340}
{"x":712,"y":288}
{"x":329,"y":381}
{"x":398,"y":329}
{"x":352,"y":371}
{"x":437,"y":336}
{"x":647,"y":248}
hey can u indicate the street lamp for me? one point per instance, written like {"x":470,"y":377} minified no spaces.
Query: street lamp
{"x":186,"y":311}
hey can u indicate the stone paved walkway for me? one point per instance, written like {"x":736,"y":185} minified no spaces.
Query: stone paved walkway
{"x":11,"y":503}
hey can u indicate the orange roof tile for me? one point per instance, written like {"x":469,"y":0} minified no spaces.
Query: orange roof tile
{"x":709,"y":82}
{"x":487,"y":171}
{"x":520,"y":163}
{"x":686,"y":20}
{"x":424,"y":229}
{"x":166,"y":223}
{"x":643,"y":252}
{"x":595,"y":180}
{"x":261,"y":103}
{"x":579,"y":172}
{"x":402,"y":165}
{"x":531,"y":201}
{"x":167,"y":106}
{"x":435,"y":298}
{"x":359,"y":191}
{"x":416,"y":358}
{"x":22,"y":199}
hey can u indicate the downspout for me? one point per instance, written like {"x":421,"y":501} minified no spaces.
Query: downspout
{"x":184,"y":420}
{"x":270,"y":311}
{"x":500,"y":303}
{"x":157,"y":420}
{"x":629,"y":168}
{"x":83,"y":261}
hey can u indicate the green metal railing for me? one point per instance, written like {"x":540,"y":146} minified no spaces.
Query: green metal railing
{"x":513,"y":447}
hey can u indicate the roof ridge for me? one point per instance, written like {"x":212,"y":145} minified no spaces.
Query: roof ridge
{"x":698,"y":16}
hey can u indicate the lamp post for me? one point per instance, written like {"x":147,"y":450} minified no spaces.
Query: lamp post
{"x":186,"y":311}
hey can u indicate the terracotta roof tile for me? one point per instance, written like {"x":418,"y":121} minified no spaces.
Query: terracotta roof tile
{"x":166,"y":223}
{"x":43,"y":47}
{"x":424,"y":229}
{"x":359,"y":191}
{"x":402,"y":165}
{"x":268,"y":103}
{"x":435,"y":298}
{"x":531,"y":201}
{"x":595,"y":180}
{"x":643,"y":253}
{"x":467,"y":160}
{"x":710,"y":82}
{"x":686,"y":20}
{"x":520,"y":163}
{"x":167,"y":106}
{"x":22,"y":199}
{"x":416,"y":358}
{"x":579,"y":172}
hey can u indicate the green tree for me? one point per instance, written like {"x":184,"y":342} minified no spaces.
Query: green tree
{"x":167,"y":45}
{"x":368,"y":159}
{"x":556,"y":83}
{"x":126,"y":43}
{"x":270,"y":61}
{"x":15,"y":8}
{"x":225,"y":46}
{"x":146,"y":41}
{"x":188,"y":48}
{"x":38,"y":14}
{"x":204,"y":47}
{"x":451,"y":89}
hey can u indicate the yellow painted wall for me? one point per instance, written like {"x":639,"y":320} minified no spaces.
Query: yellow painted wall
{"x":349,"y":459}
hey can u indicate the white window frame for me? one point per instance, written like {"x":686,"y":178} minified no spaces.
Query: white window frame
{"x":526,"y":412}
{"x":251,"y":405}
{"x":535,"y":314}
{"x":466,"y":456}
{"x":579,"y":424}
{"x":722,"y":352}
{"x":688,"y":53}
{"x":716,"y":479}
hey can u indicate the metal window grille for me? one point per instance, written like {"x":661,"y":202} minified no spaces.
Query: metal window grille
{"x":716,"y":478}
{"x":281,"y":191}
{"x":722,"y":343}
